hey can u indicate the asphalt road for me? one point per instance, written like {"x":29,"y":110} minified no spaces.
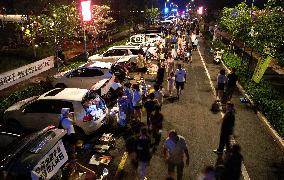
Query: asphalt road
{"x":192,"y":118}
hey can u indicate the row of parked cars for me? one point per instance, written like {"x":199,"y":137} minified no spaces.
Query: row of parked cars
{"x":72,"y":88}
{"x":40,"y":155}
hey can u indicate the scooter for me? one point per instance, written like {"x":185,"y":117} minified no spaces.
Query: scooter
{"x":218,"y":55}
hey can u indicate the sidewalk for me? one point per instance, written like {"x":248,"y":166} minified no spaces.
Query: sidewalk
{"x":262,"y":155}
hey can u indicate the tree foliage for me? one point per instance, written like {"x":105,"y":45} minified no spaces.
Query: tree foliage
{"x":237,"y":20}
{"x":100,"y":19}
{"x":61,"y":23}
{"x":152,"y":13}
{"x":262,"y":29}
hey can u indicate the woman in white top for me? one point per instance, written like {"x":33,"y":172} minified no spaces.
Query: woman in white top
{"x":171,"y":83}
{"x":137,"y":102}
{"x":221,"y":81}
{"x":170,"y":64}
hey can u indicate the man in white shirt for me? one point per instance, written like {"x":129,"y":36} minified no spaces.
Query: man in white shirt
{"x":175,"y":148}
{"x":67,"y":123}
{"x":180,"y":78}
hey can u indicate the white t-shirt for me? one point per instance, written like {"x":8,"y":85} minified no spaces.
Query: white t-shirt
{"x":193,"y":37}
{"x":174,"y":53}
{"x":175,"y":150}
{"x":68,"y":125}
{"x":159,"y":96}
{"x":115,"y":85}
{"x":180,"y":75}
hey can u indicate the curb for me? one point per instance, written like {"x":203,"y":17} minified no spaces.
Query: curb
{"x":261,"y":117}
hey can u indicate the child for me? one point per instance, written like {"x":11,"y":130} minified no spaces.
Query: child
{"x":171,"y":83}
{"x":158,"y":94}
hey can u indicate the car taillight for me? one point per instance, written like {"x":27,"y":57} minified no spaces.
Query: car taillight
{"x":87,"y":118}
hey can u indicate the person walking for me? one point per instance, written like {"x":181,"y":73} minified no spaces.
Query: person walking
{"x":171,"y":81}
{"x":221,"y":82}
{"x":232,"y":83}
{"x":143,"y":154}
{"x":180,"y":78}
{"x":129,"y":93}
{"x":227,"y":129}
{"x":149,"y":106}
{"x":141,"y":64}
{"x":174,"y":149}
{"x":156,"y":124}
{"x":170,"y":64}
{"x":159,"y":94}
{"x":174,"y":53}
{"x":233,"y":164}
{"x":137,"y":102}
{"x":160,"y":73}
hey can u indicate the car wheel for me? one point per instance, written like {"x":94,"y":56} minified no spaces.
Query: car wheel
{"x":60,"y":85}
{"x":14,"y":126}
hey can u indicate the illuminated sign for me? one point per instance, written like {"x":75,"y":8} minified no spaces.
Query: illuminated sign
{"x":86,"y":10}
{"x":200,"y":10}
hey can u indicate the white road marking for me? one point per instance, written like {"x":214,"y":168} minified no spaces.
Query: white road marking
{"x":244,"y":171}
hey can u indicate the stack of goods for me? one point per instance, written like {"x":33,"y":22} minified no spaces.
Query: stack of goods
{"x":106,"y":141}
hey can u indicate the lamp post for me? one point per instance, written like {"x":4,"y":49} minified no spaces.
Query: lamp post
{"x":86,"y":10}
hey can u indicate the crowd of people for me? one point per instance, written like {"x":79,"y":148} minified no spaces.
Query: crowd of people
{"x":179,"y":41}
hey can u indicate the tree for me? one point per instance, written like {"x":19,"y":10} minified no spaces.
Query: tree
{"x":101,"y":20}
{"x":152,"y":14}
{"x":237,"y":21}
{"x":62,"y":23}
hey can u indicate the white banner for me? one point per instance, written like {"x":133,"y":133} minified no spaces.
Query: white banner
{"x":50,"y":163}
{"x":25,"y":72}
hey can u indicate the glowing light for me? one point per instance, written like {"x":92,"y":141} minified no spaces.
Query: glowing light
{"x":86,"y":10}
{"x":200,"y":10}
{"x":166,"y":10}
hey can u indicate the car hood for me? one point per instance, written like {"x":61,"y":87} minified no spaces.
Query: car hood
{"x":95,"y":57}
{"x":22,"y":103}
{"x":61,"y":74}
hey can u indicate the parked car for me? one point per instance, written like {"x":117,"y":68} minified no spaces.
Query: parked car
{"x":38,"y":112}
{"x":40,"y":155}
{"x":137,"y":40}
{"x":83,"y":77}
{"x":116,"y":52}
{"x":7,"y":136}
{"x":145,"y":39}
{"x":166,"y":22}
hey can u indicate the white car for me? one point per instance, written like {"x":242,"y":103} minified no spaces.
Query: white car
{"x":39,"y":112}
{"x":137,"y":40}
{"x":166,"y":22}
{"x":153,"y":37}
{"x":83,"y":77}
{"x":114,"y":53}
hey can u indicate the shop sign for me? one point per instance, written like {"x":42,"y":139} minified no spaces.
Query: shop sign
{"x":261,"y":68}
{"x":50,"y":163}
{"x":25,"y":72}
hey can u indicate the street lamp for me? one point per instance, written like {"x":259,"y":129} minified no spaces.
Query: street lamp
{"x":86,"y":10}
